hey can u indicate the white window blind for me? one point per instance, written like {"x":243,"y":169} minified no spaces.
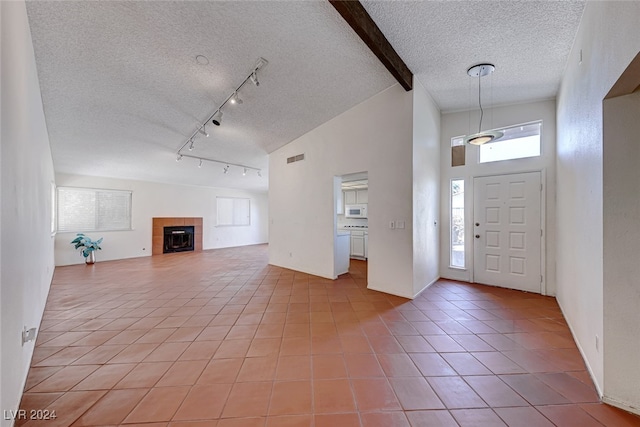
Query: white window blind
{"x":233,"y":211}
{"x":92,"y":209}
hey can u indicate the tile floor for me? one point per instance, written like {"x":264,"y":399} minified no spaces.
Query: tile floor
{"x":221,"y":339}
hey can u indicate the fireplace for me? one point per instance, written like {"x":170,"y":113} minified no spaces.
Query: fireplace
{"x":176,"y":234}
{"x":178,"y":239}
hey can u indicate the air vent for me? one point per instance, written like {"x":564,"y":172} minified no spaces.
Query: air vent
{"x":297,"y":158}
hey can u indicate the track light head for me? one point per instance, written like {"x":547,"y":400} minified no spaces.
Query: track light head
{"x":226,"y":169}
{"x":244,"y":172}
{"x":203,"y":131}
{"x":217,"y":118}
{"x":200,"y":164}
{"x":259,"y":174}
{"x":191,"y":145}
{"x":254,"y":79}
{"x":178,"y":157}
{"x":235,"y":99}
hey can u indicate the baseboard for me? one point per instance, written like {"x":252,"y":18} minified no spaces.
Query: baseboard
{"x":385,"y":291}
{"x":586,"y":361}
{"x":330,"y":277}
{"x":426,"y":287}
{"x":622,"y":405}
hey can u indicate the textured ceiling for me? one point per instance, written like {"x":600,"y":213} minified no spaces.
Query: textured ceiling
{"x":528,"y":41}
{"x":122,"y":90}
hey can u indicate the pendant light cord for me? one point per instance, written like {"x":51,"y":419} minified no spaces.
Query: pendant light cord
{"x":480,"y":104}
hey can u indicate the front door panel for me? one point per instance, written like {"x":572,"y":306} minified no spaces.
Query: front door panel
{"x":507,"y":231}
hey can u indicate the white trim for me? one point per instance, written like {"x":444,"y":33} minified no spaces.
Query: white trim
{"x":622,"y":405}
{"x":582,"y":353}
{"x":403,"y":295}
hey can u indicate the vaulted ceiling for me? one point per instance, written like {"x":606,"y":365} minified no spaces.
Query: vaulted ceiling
{"x":122,"y":89}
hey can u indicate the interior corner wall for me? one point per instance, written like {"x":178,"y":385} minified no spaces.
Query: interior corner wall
{"x":426,"y":188}
{"x":621,"y":271}
{"x":26,"y":245}
{"x":457,"y":124}
{"x":151,"y":200}
{"x":606,"y":42}
{"x":374,"y":136}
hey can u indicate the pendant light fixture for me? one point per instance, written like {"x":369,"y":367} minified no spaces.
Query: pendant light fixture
{"x":479,"y":71}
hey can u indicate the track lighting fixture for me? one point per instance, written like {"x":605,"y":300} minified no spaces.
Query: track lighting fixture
{"x":227,"y":166}
{"x":217,"y":118}
{"x":254,"y":79}
{"x":235,"y":99}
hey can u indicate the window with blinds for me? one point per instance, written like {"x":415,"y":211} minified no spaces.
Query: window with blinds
{"x":233,"y":211}
{"x":92,"y":209}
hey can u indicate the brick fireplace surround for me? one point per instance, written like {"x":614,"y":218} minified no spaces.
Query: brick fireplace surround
{"x":158,"y":231}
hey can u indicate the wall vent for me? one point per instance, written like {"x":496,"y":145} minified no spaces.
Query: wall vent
{"x":297,"y":158}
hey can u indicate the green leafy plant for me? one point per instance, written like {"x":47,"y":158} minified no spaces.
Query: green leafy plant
{"x":87,"y":245}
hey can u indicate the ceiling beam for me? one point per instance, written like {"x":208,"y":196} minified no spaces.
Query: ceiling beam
{"x":357,"y":17}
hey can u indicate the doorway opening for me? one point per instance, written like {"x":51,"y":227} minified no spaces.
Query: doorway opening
{"x":351,"y":222}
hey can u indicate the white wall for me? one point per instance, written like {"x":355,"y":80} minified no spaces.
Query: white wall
{"x":609,"y":39}
{"x":375,"y":137}
{"x":26,"y":247}
{"x":426,"y":188}
{"x":164,"y":200}
{"x":621,"y":201}
{"x":457,"y":124}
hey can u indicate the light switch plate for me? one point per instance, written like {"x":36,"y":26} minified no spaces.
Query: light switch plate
{"x":400,"y":224}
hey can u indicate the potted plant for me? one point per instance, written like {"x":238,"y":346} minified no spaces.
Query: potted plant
{"x":88,"y":247}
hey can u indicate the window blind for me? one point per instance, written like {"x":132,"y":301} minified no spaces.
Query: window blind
{"x":233,"y":211}
{"x":92,"y":209}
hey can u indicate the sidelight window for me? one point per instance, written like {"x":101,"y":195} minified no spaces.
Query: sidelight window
{"x":457,"y":224}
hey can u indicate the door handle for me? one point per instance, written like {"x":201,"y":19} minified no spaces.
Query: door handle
{"x":477,"y":236}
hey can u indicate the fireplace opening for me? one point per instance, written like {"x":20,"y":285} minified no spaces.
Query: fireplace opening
{"x":178,"y":239}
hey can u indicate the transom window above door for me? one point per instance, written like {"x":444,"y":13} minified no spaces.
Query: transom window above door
{"x":518,"y":142}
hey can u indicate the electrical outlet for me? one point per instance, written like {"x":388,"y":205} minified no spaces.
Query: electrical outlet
{"x":392,"y":225}
{"x":28,"y":335}
{"x":400,"y":224}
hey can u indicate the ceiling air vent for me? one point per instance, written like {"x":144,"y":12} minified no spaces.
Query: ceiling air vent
{"x":297,"y":158}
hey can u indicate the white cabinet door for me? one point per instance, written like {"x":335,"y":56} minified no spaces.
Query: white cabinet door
{"x":350,"y":197}
{"x":357,"y":246}
{"x":362,"y":196}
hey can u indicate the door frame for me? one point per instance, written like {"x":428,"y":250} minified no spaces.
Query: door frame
{"x":543,"y":223}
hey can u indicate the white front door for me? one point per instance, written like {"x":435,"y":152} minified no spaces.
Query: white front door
{"x":507,"y":231}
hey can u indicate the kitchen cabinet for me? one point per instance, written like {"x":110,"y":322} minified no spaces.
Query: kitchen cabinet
{"x":341,"y":253}
{"x":356,"y":197}
{"x":358,"y":246}
{"x":350,"y":197}
{"x":362,"y":196}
